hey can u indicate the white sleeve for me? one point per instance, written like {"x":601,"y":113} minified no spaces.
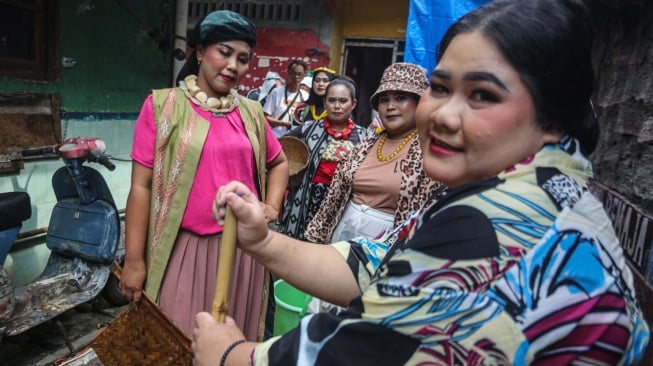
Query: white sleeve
{"x":272,"y":103}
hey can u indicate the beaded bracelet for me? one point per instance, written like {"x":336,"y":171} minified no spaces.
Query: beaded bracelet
{"x":231,"y":347}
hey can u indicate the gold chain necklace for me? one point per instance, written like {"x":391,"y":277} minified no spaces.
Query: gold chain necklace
{"x":384,"y":138}
{"x":217,"y":106}
{"x":316,"y":117}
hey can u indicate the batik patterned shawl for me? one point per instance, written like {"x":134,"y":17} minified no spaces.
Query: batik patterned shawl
{"x":520,"y":269}
{"x":304,"y":201}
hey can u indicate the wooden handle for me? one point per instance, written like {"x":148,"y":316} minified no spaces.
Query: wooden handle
{"x":225,"y":267}
{"x":116,"y":269}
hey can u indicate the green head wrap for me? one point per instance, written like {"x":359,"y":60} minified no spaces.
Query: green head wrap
{"x":223,"y":25}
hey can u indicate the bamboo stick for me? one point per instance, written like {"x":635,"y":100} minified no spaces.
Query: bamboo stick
{"x":225,"y":267}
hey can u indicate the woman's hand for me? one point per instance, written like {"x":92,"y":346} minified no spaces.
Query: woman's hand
{"x":252,"y":224}
{"x":211,"y":339}
{"x":274,"y":122}
{"x":132,"y":278}
{"x":270,"y":212}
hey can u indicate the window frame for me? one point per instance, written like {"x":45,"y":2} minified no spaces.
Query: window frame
{"x":44,"y":66}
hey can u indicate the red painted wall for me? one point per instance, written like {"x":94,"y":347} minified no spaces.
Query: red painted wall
{"x":274,"y":50}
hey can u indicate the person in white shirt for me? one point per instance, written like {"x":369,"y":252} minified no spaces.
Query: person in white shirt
{"x":282,"y":101}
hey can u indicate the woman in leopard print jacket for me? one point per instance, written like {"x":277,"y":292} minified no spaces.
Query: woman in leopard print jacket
{"x":381,"y":182}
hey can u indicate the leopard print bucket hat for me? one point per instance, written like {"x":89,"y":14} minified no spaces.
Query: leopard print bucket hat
{"x":401,"y":76}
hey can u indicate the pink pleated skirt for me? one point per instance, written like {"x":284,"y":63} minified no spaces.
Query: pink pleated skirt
{"x":189,"y":285}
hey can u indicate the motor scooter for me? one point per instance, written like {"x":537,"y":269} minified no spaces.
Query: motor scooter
{"x":83,"y":237}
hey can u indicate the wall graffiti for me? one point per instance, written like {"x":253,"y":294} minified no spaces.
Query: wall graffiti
{"x":633,"y":228}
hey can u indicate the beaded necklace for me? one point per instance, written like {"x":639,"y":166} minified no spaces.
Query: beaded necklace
{"x":315,"y":116}
{"x":340,"y":135}
{"x":216,"y":106}
{"x":384,"y":138}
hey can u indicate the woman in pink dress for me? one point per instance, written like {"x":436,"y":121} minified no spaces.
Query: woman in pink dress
{"x":188,"y":141}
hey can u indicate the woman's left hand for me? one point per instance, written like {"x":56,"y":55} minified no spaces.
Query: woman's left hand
{"x":270,"y":212}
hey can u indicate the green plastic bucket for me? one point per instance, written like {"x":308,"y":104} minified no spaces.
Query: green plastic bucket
{"x":291,"y":306}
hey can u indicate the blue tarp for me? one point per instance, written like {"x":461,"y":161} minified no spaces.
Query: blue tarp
{"x":427,"y":22}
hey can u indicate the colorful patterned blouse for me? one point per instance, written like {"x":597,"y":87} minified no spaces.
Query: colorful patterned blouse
{"x":499,"y":272}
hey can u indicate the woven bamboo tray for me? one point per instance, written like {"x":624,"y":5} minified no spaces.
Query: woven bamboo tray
{"x":142,"y":335}
{"x":297,"y":153}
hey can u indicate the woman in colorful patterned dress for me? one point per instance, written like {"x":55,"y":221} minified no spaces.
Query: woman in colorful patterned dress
{"x":188,"y":141}
{"x":329,"y":141}
{"x":515,"y":264}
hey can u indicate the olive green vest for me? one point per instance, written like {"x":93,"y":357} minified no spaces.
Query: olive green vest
{"x":174,"y":169}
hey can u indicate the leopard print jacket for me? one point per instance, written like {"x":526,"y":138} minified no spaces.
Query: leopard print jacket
{"x":415,"y":189}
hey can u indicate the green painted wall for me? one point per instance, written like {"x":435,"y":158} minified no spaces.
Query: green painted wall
{"x":116,"y":61}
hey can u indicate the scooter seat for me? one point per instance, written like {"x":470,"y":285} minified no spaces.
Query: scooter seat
{"x":15,"y":207}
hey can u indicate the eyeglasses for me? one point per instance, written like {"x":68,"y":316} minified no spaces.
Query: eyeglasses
{"x":293,"y":73}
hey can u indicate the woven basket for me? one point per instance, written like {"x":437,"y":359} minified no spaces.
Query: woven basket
{"x":142,"y":335}
{"x":297,"y":153}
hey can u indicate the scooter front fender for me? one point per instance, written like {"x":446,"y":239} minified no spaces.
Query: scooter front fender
{"x":64,"y":284}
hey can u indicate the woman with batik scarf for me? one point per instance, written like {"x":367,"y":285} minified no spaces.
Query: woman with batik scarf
{"x":188,"y":141}
{"x":328,"y":141}
{"x":515,"y":264}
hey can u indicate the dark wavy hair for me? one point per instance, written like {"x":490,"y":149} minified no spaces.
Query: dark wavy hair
{"x":549,"y":43}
